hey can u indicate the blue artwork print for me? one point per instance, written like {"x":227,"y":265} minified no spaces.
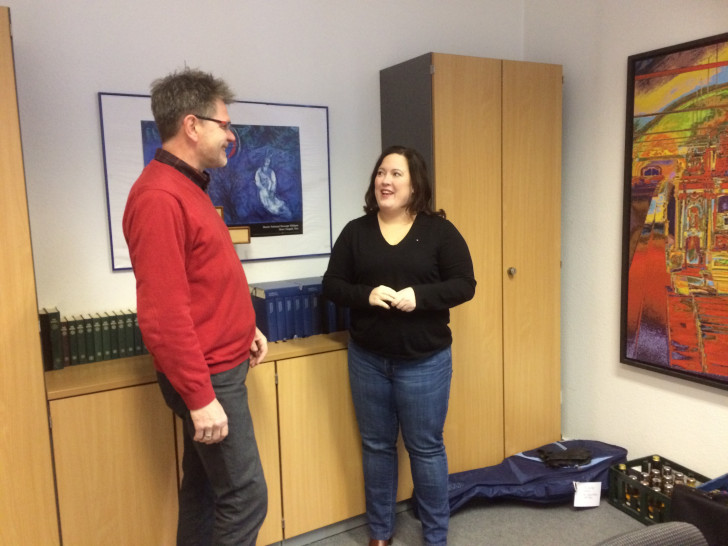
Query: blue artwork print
{"x":261,"y":186}
{"x":150,"y":140}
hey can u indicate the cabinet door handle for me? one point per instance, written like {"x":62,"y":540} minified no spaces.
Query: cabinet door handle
{"x":511,"y":272}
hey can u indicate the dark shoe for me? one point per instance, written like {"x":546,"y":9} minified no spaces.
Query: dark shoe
{"x":375,"y":542}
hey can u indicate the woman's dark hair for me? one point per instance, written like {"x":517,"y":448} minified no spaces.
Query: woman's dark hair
{"x":421,"y":190}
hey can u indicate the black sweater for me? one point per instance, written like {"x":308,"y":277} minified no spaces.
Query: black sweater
{"x":433,"y":259}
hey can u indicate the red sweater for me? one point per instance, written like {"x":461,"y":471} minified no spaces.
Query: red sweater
{"x":193,"y":301}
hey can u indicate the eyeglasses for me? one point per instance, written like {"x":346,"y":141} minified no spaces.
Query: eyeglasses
{"x":224,"y":125}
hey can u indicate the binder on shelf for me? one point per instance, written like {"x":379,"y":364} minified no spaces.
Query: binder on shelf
{"x":128,"y":339}
{"x":50,"y":335}
{"x":65,"y":343}
{"x":336,"y":317}
{"x":120,"y":333}
{"x":45,"y":339}
{"x":330,"y":324}
{"x":307,"y":316}
{"x":280,"y":303}
{"x":123,"y":329}
{"x":81,"y":338}
{"x":281,"y":293}
{"x":289,"y":314}
{"x":88,"y":336}
{"x":139,"y":347}
{"x":113,"y":334}
{"x":96,"y":321}
{"x":311,"y":288}
{"x":298,"y":316}
{"x":265,"y":316}
{"x":105,"y":335}
{"x":75,"y":331}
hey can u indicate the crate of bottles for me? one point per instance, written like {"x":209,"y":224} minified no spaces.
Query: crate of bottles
{"x":643,"y":487}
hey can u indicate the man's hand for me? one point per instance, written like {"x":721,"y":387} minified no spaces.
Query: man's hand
{"x":382,"y":296}
{"x":258,"y":349}
{"x":404,"y":300}
{"x":211,"y":423}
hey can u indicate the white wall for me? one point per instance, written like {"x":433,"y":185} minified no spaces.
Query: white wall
{"x":644,"y":411}
{"x":315,"y":53}
{"x":329,"y":53}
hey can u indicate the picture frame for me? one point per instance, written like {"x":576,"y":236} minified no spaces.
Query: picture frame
{"x":240,"y":235}
{"x":674,"y":307}
{"x":276,"y":184}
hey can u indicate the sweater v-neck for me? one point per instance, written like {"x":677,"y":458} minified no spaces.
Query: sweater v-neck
{"x":401,"y":239}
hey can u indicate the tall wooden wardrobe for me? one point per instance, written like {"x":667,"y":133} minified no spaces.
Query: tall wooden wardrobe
{"x":491,"y":132}
{"x":27,"y":499}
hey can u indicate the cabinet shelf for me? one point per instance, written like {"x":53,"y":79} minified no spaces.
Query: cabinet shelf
{"x":139,"y":370}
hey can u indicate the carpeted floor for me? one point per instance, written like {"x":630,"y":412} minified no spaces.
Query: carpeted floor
{"x":505,"y":523}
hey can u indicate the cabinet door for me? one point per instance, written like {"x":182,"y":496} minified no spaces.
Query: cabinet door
{"x":261,"y":383}
{"x":115,"y":468}
{"x":321,"y":468}
{"x":532,"y":247}
{"x":467,"y":136}
{"x":27,"y":502}
{"x":497,"y":171}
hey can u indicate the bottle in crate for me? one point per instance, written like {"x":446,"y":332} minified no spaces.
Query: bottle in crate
{"x":655,"y":506}
{"x":633,"y":499}
{"x":622,"y":487}
{"x":656,"y":463}
{"x":667,"y":489}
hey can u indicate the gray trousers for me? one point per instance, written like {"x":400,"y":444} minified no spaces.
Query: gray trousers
{"x":223,"y":498}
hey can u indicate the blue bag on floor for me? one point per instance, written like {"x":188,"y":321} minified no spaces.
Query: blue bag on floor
{"x":526,"y":476}
{"x":721,"y":483}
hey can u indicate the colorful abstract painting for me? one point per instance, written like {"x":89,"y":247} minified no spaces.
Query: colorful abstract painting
{"x":675,"y":240}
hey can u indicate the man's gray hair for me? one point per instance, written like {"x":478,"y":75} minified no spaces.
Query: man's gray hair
{"x":179,"y":94}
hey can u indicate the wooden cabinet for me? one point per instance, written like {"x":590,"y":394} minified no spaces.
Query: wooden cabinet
{"x":115,"y":467}
{"x":320,"y":446}
{"x":117,"y":446}
{"x":531,"y":248}
{"x":491,"y":133}
{"x":263,"y":402}
{"x":27,"y":502}
{"x":321,"y":466}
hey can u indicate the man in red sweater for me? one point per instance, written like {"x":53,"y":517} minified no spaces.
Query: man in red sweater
{"x":195,"y":311}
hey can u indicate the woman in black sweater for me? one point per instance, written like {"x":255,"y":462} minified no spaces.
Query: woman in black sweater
{"x":399,"y":269}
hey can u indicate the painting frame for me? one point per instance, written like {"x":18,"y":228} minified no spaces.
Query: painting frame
{"x":674,"y":293}
{"x":293,"y":220}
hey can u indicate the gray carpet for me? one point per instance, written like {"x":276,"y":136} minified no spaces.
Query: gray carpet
{"x":504,"y":523}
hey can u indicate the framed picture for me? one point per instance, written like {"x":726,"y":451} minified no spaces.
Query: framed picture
{"x":274,"y":191}
{"x":675,"y":230}
{"x":240,"y":235}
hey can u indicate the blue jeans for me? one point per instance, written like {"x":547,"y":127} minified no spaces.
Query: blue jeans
{"x":223,"y":498}
{"x":413,"y":394}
